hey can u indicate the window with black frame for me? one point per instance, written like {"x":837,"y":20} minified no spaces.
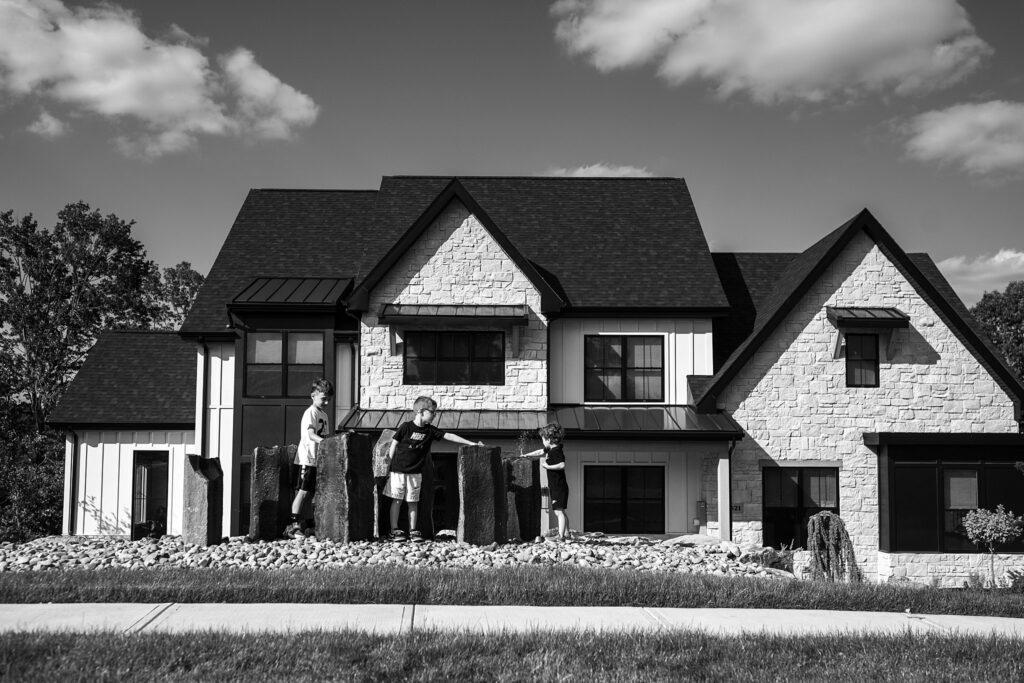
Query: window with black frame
{"x":624,"y":499}
{"x":282,"y":363}
{"x":861,"y":360}
{"x":790,"y":496}
{"x":930,"y":501}
{"x":454,"y":357}
{"x":623,"y":368}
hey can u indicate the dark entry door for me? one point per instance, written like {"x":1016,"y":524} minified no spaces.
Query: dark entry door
{"x":624,"y":499}
{"x":149,"y":494}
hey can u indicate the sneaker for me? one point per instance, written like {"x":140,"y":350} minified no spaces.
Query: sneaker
{"x":293,"y":530}
{"x":415,"y":536}
{"x":397,"y":535}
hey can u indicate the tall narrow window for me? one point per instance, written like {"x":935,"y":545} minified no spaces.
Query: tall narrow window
{"x":454,"y":358}
{"x":623,"y":368}
{"x":149,"y":494}
{"x":862,"y":360}
{"x":960,"y":496}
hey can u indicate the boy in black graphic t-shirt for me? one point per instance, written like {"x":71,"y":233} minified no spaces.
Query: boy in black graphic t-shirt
{"x":409,"y":450}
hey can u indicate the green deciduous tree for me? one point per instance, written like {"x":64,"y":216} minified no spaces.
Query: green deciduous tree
{"x":58,"y":289}
{"x":992,"y":529}
{"x":1001,"y":316}
{"x":178,"y":288}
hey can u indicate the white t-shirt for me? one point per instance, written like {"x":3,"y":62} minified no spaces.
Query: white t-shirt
{"x":316,"y":419}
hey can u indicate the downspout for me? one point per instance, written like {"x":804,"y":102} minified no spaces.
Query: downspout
{"x":73,"y":509}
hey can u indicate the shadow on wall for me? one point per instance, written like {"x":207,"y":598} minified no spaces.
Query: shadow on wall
{"x":105,"y":524}
{"x":911,"y":348}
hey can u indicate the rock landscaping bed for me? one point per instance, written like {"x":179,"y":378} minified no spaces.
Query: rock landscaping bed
{"x":683,"y":554}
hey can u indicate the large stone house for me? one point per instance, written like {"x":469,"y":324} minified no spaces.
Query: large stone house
{"x":733,"y":394}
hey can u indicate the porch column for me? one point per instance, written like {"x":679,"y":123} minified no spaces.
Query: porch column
{"x":724,"y":499}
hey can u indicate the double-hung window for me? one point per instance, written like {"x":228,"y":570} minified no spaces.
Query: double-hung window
{"x":861,"y":360}
{"x":454,"y":358}
{"x":282,"y":363}
{"x":623,"y":368}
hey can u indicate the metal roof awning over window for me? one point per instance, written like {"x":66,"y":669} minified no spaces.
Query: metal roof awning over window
{"x":867,"y":317}
{"x":671,"y":422}
{"x":291,"y":293}
{"x":397,"y":313}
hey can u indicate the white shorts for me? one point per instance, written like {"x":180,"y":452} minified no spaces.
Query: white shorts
{"x":404,"y":486}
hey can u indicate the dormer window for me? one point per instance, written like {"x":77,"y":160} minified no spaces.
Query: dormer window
{"x":862,"y":334}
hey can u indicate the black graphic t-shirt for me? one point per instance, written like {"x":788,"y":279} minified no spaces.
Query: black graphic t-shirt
{"x":413,"y":447}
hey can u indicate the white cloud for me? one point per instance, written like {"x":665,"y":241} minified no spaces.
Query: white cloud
{"x":48,"y":126}
{"x":99,"y":61}
{"x":778,"y":50}
{"x":972,"y":278}
{"x":270,"y":109}
{"x":600,"y":171}
{"x":983,"y":139}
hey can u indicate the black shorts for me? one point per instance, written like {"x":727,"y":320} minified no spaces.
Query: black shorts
{"x":303,"y":478}
{"x":559,"y":496}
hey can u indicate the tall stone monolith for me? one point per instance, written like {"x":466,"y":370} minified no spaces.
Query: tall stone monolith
{"x":522,"y":494}
{"x":482,"y":516}
{"x":204,"y":501}
{"x":344,"y":509}
{"x":271,"y":492}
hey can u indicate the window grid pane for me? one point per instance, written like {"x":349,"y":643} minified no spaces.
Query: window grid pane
{"x":623,"y":368}
{"x":453,"y":358}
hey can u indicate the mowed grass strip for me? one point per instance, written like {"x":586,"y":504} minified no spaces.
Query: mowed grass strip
{"x":584,"y":656}
{"x":503,"y":586}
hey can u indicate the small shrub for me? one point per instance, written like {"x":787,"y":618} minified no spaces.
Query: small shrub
{"x":832,"y":556}
{"x":992,"y":529}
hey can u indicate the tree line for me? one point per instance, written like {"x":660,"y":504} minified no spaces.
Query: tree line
{"x":59,"y":288}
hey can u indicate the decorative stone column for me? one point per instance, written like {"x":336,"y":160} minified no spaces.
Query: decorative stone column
{"x":381,"y":467}
{"x":482,"y":516}
{"x":271,"y":492}
{"x":344,"y":509}
{"x":204,"y":501}
{"x":522,"y":495}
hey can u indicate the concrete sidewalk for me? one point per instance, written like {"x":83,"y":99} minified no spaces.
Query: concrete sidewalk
{"x":392,"y":619}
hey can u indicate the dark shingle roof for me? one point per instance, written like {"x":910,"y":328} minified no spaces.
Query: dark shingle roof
{"x":288,"y":233}
{"x":133,"y":379}
{"x":598,"y":242}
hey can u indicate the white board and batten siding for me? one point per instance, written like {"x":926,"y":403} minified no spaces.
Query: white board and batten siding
{"x":105,"y":470}
{"x":688,"y":351}
{"x":218,"y":371}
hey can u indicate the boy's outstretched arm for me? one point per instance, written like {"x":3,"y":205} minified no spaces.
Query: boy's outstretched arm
{"x":458,"y":439}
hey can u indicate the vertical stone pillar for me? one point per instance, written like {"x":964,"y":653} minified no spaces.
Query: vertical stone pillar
{"x":344,"y":488}
{"x":204,"y":501}
{"x":724,"y":499}
{"x":271,"y":492}
{"x":522,"y":485}
{"x":381,"y":468}
{"x":482,"y":515}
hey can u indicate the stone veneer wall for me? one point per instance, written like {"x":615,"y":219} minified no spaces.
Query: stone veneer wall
{"x":455,"y":261}
{"x":791,"y":397}
{"x":946,"y":570}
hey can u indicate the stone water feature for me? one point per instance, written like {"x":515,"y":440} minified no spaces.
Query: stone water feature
{"x":204,"y":501}
{"x":271,"y":492}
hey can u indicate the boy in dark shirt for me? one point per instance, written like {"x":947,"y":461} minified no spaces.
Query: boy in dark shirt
{"x":551,"y":436}
{"x":410,"y":448}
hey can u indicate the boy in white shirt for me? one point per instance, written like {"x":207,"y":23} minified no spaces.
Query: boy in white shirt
{"x":313,"y":429}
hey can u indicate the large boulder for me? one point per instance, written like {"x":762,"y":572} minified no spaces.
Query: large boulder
{"x":482,"y":516}
{"x":204,"y":501}
{"x":271,"y":491}
{"x":344,"y":488}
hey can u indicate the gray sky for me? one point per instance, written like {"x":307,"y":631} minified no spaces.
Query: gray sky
{"x":786,"y":117}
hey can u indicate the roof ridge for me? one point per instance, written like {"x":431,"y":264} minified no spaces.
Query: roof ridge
{"x":534,"y":177}
{"x":309,"y":189}
{"x":138,"y":331}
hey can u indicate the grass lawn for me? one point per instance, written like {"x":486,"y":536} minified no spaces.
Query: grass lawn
{"x":507,"y":657}
{"x":504,"y":586}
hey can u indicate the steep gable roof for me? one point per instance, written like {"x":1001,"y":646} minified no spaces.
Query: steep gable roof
{"x":289,"y":233}
{"x":454,"y":191}
{"x":145,"y":379}
{"x":803,"y":270}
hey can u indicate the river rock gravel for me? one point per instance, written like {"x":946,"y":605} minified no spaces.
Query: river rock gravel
{"x":682,"y":554}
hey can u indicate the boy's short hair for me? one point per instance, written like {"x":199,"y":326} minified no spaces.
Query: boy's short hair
{"x":553,"y":432}
{"x":322,"y":385}
{"x":424,"y":403}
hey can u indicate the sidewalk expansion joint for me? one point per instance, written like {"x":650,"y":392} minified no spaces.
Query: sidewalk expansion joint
{"x":662,"y":621}
{"x":149,"y":618}
{"x":412,"y":617}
